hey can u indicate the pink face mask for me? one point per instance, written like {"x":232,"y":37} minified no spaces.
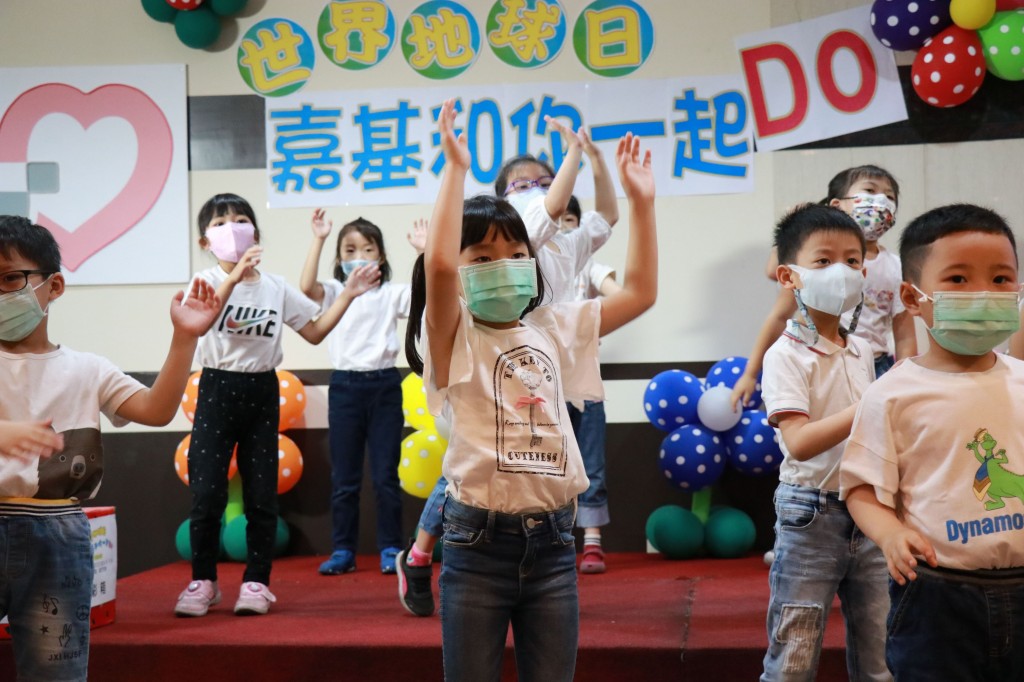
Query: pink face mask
{"x":230,"y":241}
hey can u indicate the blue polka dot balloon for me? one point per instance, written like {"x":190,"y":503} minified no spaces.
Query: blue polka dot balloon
{"x":692,"y":457}
{"x":753,"y":445}
{"x":670,"y":400}
{"x":906,"y":24}
{"x":727,"y":372}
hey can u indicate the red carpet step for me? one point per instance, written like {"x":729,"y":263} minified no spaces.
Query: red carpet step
{"x":646,"y":619}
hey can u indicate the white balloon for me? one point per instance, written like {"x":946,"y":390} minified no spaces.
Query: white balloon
{"x":715,"y":410}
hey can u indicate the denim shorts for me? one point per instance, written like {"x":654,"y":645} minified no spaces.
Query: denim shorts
{"x":508,"y":569}
{"x":46,"y":593}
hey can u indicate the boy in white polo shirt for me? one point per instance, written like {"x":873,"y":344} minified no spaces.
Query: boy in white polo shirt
{"x":814,"y":375}
{"x":933,"y":468}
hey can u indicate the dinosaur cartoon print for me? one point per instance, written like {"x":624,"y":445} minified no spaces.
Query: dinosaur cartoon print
{"x":992,"y":478}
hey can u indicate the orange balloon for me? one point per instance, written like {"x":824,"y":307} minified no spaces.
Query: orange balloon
{"x":181,"y":460}
{"x":191,"y":396}
{"x":293,"y":400}
{"x":289,"y":464}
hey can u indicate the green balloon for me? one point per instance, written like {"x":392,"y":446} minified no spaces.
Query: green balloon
{"x":234,"y":539}
{"x":281,"y":538}
{"x":226,"y":7}
{"x":675,"y":532}
{"x":182,"y":540}
{"x":197,"y":28}
{"x":159,"y":10}
{"x":1002,"y":43}
{"x":729,"y":533}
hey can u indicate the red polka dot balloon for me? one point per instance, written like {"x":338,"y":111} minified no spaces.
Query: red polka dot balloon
{"x":949,"y":68}
{"x":184,"y":5}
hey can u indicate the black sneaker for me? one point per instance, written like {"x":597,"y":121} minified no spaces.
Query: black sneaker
{"x":414,"y":586}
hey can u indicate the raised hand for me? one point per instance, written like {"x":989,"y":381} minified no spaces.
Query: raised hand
{"x":247,"y":263}
{"x":456,"y":149}
{"x":362,"y":279}
{"x":635,"y":175}
{"x":26,"y":440}
{"x":195,"y":313}
{"x":321,"y":226}
{"x":418,"y":237}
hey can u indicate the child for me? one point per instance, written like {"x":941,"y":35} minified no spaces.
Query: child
{"x":504,"y":367}
{"x":365,"y":396}
{"x":238,"y":355}
{"x":930,"y":472}
{"x":53,"y":397}
{"x":870,"y":195}
{"x":814,"y":375}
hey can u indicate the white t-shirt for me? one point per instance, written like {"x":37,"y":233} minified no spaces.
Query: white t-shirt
{"x":816,"y":380}
{"x":881,"y":301}
{"x":563,"y":255}
{"x":589,"y":281}
{"x":247,"y":335}
{"x":512,"y":447}
{"x":72,"y":389}
{"x":941,"y":448}
{"x":366,"y":337}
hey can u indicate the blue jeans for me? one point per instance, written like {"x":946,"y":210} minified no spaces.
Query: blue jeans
{"x":430,"y":518}
{"x":819,"y":552}
{"x":957,"y":625}
{"x":589,"y":426}
{"x":883,"y":363}
{"x":365,"y":409}
{"x":508,"y":568}
{"x":46,"y":592}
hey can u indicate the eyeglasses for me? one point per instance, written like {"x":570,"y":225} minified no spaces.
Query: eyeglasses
{"x":15,"y":280}
{"x":524,"y":184}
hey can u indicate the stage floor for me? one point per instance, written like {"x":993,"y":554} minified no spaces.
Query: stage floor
{"x":647,"y":618}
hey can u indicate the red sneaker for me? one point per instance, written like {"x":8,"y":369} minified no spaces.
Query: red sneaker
{"x":593,"y":559}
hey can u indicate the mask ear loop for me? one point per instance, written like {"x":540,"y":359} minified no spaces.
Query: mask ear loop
{"x":856,"y":315}
{"x":807,"y":317}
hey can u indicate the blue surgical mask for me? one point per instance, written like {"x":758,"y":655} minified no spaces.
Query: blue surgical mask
{"x":521,"y":200}
{"x":499,"y":291}
{"x":349,"y":266}
{"x":972,"y":322}
{"x":20,"y":313}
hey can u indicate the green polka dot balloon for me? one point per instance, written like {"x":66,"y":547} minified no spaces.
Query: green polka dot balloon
{"x":1002,"y":41}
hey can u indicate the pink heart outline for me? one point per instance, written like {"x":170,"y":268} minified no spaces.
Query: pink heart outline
{"x":152,"y":164}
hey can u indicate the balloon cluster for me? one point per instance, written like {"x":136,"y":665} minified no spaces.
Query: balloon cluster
{"x":705,"y":434}
{"x":422,"y":451}
{"x":289,"y":469}
{"x":958,"y":42}
{"x":196,"y":22}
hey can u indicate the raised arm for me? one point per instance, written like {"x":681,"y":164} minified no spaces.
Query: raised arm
{"x":557,"y":199}
{"x":359,"y":282}
{"x":772,"y":327}
{"x":191,"y":318}
{"x":640,"y":278}
{"x":418,"y":237}
{"x":441,"y":258}
{"x":308,"y":283}
{"x":605,"y":201}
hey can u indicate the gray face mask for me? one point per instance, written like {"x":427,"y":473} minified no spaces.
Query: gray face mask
{"x":20,"y":313}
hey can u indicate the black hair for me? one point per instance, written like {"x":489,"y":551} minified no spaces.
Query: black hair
{"x":796,"y":226}
{"x":222,"y":204}
{"x":481,"y":214}
{"x":32,"y":242}
{"x":373,"y":234}
{"x":501,"y":183}
{"x":573,"y":207}
{"x":930,"y":226}
{"x":839,"y":186}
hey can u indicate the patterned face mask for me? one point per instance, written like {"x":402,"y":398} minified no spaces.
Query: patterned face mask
{"x":972,"y":322}
{"x":874,"y":213}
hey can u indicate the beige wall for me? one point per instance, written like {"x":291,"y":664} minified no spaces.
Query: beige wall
{"x":713,"y":294}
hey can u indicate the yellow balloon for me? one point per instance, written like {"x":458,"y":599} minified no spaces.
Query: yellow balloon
{"x":414,"y":403}
{"x":419,"y":466}
{"x":972,"y":14}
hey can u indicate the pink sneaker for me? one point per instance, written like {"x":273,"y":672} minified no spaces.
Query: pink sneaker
{"x":254,"y":599}
{"x":197,"y":598}
{"x":593,"y":560}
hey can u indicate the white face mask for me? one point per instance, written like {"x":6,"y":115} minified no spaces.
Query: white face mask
{"x":521,"y":200}
{"x":832,"y":290}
